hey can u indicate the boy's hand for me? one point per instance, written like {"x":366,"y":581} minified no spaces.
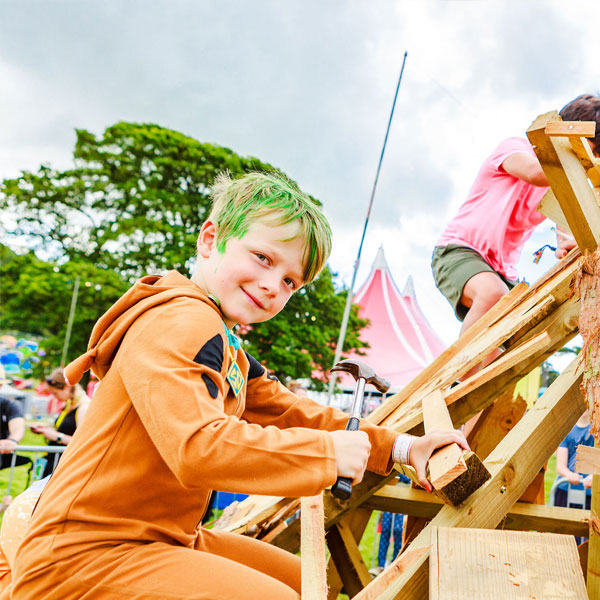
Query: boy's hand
{"x":423,"y":448}
{"x":574,"y":478}
{"x":352,"y":449}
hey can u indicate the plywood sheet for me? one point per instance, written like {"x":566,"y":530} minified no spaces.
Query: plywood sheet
{"x":483,"y":564}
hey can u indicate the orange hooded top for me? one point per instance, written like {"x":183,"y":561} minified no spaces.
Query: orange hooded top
{"x":164,"y":429}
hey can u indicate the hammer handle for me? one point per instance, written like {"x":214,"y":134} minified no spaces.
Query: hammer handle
{"x":342,"y":488}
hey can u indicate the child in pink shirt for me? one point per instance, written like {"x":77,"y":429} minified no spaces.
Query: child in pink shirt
{"x":474,"y":262}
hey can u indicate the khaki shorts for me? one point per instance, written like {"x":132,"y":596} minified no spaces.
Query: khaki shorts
{"x":453,"y":266}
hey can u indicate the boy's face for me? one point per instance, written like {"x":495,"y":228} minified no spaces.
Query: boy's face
{"x":255,"y":276}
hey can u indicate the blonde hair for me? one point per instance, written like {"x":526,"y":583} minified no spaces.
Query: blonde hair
{"x":238,"y":203}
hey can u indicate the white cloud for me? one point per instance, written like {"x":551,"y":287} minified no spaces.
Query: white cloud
{"x":307,"y":86}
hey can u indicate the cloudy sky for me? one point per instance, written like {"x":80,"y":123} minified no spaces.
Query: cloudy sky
{"x":307,"y":85}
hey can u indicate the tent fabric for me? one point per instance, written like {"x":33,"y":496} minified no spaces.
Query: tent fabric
{"x":402,"y":342}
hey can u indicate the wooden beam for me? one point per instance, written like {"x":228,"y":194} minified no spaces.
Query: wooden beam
{"x":513,"y":464}
{"x":571,"y":128}
{"x":522,"y":516}
{"x":513,"y":565}
{"x":587,"y":460}
{"x":357,"y":522}
{"x":495,"y":422}
{"x":551,"y":209}
{"x":347,"y":558}
{"x":593,"y":576}
{"x":568,"y":180}
{"x":312,"y":548}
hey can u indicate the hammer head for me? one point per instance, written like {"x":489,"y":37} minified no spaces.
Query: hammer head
{"x":361,"y":371}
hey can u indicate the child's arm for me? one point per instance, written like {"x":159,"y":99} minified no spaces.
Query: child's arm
{"x":526,"y":167}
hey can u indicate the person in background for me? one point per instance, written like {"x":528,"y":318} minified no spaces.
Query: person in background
{"x":12,"y":428}
{"x":75,"y":403}
{"x":565,"y":462}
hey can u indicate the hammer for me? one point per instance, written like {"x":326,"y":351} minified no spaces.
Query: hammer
{"x":363,"y":374}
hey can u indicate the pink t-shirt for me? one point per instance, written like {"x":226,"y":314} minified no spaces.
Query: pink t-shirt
{"x":500,"y":212}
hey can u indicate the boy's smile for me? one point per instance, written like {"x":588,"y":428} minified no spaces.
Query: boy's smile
{"x":256,"y":275}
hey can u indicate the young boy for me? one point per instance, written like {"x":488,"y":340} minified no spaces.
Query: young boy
{"x":182,"y":410}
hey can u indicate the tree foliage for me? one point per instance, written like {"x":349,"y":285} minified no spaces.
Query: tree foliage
{"x":133,"y":204}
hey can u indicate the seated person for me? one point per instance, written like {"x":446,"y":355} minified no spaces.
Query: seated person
{"x":75,"y":403}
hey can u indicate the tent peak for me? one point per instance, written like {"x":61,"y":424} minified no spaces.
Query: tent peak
{"x":380,"y":264}
{"x":409,"y":288}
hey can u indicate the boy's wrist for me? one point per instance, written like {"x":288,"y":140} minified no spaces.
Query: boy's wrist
{"x":402,"y":447}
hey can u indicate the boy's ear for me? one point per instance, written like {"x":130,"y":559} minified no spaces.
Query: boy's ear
{"x":207,"y":239}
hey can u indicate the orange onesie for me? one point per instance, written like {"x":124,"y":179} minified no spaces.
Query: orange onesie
{"x":121,"y":516}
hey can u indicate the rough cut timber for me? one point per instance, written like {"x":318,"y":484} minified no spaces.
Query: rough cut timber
{"x":513,"y":464}
{"x":587,"y":460}
{"x":313,"y":560}
{"x":564,"y":172}
{"x":480,"y":564}
{"x":522,"y":516}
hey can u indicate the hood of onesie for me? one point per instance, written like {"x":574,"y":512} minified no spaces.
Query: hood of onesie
{"x":108,"y":332}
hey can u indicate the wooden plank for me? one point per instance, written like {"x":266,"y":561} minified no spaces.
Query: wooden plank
{"x":357,"y":522}
{"x":500,"y":365}
{"x":512,"y":565}
{"x":500,"y":308}
{"x":347,"y":558}
{"x":312,"y":548}
{"x":587,"y":460}
{"x":495,"y":422}
{"x":568,"y":180}
{"x":593,"y":577}
{"x":513,"y":464}
{"x":551,"y":209}
{"x":522,"y":516}
{"x":571,"y":128}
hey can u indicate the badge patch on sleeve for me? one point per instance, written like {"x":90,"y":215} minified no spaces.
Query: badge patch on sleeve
{"x":235,"y":378}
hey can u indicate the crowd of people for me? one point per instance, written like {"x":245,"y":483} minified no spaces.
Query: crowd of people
{"x":183,"y":409}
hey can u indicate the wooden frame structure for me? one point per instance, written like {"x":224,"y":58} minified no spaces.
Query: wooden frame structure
{"x":530,"y":323}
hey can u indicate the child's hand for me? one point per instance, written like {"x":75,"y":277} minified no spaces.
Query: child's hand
{"x":587,"y":481}
{"x":423,"y":448}
{"x":352,"y":449}
{"x":574,"y":478}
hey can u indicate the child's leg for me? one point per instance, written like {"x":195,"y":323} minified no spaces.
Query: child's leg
{"x":398,"y":526}
{"x":270,"y":560}
{"x":158,"y":571}
{"x":384,"y":538}
{"x":480,"y":293}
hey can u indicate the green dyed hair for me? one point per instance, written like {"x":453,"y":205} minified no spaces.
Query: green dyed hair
{"x":273,"y":200}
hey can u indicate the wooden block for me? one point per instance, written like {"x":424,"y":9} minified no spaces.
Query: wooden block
{"x":571,"y":128}
{"x":482,"y":564}
{"x":456,"y":491}
{"x":587,"y":460}
{"x":551,"y":209}
{"x":312,"y":548}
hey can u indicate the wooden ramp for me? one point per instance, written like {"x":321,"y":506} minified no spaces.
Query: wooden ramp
{"x":530,"y":323}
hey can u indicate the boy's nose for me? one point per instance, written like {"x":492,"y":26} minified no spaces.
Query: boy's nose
{"x":269,"y":285}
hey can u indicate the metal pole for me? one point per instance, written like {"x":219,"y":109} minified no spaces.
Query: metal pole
{"x":63,"y":358}
{"x":340,"y":343}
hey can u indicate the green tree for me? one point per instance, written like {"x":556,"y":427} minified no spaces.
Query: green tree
{"x":133,"y":204}
{"x":35,"y":298}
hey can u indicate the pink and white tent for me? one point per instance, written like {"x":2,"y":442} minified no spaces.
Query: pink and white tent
{"x":401,"y":339}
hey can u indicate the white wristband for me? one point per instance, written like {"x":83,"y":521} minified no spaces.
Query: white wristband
{"x":402,"y":446}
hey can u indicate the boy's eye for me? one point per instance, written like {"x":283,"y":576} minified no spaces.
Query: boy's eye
{"x":290,"y":283}
{"x":261,"y":257}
